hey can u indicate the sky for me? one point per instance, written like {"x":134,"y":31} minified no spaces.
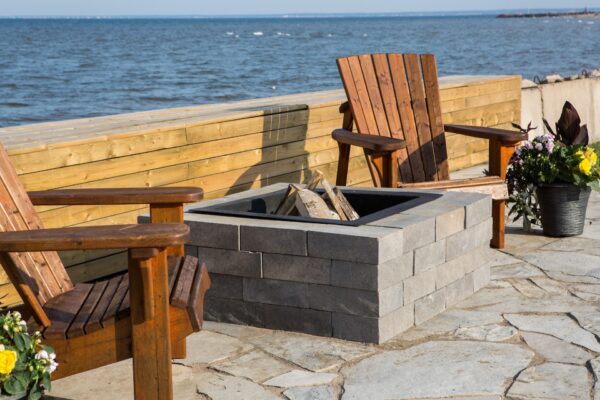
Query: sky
{"x":243,"y":7}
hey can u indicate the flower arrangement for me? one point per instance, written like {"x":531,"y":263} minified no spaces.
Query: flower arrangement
{"x":25,"y":363}
{"x":545,"y":160}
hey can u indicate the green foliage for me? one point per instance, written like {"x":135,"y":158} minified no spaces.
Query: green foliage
{"x":544,"y":161}
{"x":25,"y":364}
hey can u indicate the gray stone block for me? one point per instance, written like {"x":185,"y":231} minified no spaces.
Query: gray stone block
{"x":391,"y":299}
{"x":280,"y":240}
{"x":459,"y":290}
{"x":213,"y":231}
{"x":430,"y":256}
{"x":190,"y":250}
{"x":303,"y":320}
{"x":356,"y":275}
{"x":225,"y":286}
{"x":233,"y":311}
{"x":469,"y":239}
{"x":481,"y":277}
{"x":366,"y":244}
{"x":451,"y":271}
{"x":478,"y":211}
{"x":430,"y":306}
{"x":418,"y":286}
{"x":418,"y":230}
{"x":370,"y":329}
{"x":449,"y":223}
{"x":478,"y":258}
{"x":356,"y":328}
{"x":231,"y":262}
{"x":271,"y":291}
{"x":343,"y":300}
{"x":296,"y":268}
{"x":403,"y":319}
{"x":370,"y":276}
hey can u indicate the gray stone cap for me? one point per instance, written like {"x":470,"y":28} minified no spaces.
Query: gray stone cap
{"x":448,"y":202}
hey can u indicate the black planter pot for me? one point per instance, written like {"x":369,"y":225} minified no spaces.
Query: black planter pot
{"x":563,"y":207}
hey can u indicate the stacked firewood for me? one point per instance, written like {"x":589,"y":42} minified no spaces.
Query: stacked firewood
{"x":304,"y":201}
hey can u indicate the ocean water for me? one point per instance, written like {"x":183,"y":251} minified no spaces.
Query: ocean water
{"x":55,"y":69}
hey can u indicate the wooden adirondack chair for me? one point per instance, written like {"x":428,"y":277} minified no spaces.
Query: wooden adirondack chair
{"x":95,"y":324}
{"x":394,"y":102}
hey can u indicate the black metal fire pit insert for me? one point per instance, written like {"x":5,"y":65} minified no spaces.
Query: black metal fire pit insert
{"x":371,"y":205}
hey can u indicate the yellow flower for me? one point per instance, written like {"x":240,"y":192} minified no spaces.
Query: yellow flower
{"x":8,"y":358}
{"x":585,"y":166}
{"x":580,"y":154}
{"x":591,"y":155}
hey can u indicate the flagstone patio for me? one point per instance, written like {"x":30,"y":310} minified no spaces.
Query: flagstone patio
{"x":531,"y":334}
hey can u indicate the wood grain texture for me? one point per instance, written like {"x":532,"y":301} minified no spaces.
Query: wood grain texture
{"x":117,"y":196}
{"x":99,"y":237}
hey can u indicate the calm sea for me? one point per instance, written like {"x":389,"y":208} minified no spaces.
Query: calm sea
{"x":54,"y":69}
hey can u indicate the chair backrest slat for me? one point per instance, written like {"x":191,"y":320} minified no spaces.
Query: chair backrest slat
{"x":417,"y":94}
{"x":432,"y":94}
{"x":368,"y":70}
{"x":398,"y":95}
{"x":388,"y":95}
{"x":38,"y":276}
{"x":407,"y":116}
{"x":367,"y":124}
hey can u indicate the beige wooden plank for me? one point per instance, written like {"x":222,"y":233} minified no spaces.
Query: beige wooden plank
{"x":99,"y":170}
{"x":8,"y":295}
{"x":98,"y":268}
{"x":101,"y":150}
{"x":70,"y":258}
{"x":481,"y":88}
{"x":479,"y":101}
{"x":480,"y":113}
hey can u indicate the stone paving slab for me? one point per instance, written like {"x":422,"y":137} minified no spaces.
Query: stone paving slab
{"x":531,"y":334}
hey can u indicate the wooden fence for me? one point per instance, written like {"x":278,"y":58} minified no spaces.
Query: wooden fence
{"x":223,"y":148}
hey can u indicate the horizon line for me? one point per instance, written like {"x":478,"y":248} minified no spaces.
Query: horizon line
{"x":303,"y":14}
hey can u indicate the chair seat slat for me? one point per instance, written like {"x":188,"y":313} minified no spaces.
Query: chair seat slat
{"x":110,"y":315}
{"x":78,"y":326}
{"x":62,"y":310}
{"x":95,"y":321}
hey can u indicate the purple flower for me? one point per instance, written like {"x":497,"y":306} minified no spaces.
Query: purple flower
{"x":550,"y":146}
{"x":527,"y":145}
{"x":539,"y":146}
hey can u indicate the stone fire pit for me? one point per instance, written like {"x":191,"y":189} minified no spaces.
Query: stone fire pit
{"x":367,"y":282}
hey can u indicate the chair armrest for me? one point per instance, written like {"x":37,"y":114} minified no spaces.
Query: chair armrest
{"x":155,"y":195}
{"x":371,"y":142}
{"x":95,"y":237}
{"x":501,"y":135}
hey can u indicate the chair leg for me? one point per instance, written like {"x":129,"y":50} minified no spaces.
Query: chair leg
{"x":179,"y":349}
{"x":390,"y":168}
{"x":499,"y":156}
{"x":343,"y":163}
{"x":498,"y":208}
{"x":150,"y":330}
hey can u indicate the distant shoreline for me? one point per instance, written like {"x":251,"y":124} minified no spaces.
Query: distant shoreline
{"x":581,"y":14}
{"x":500,"y":13}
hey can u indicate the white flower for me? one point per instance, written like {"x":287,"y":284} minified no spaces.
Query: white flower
{"x":52,"y":367}
{"x":22,"y":323}
{"x":1,"y":347}
{"x":5,"y":327}
{"x":52,"y":356}
{"x":41,"y":355}
{"x":17,"y":314}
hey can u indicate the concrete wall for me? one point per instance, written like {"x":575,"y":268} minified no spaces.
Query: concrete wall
{"x":546,"y":101}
